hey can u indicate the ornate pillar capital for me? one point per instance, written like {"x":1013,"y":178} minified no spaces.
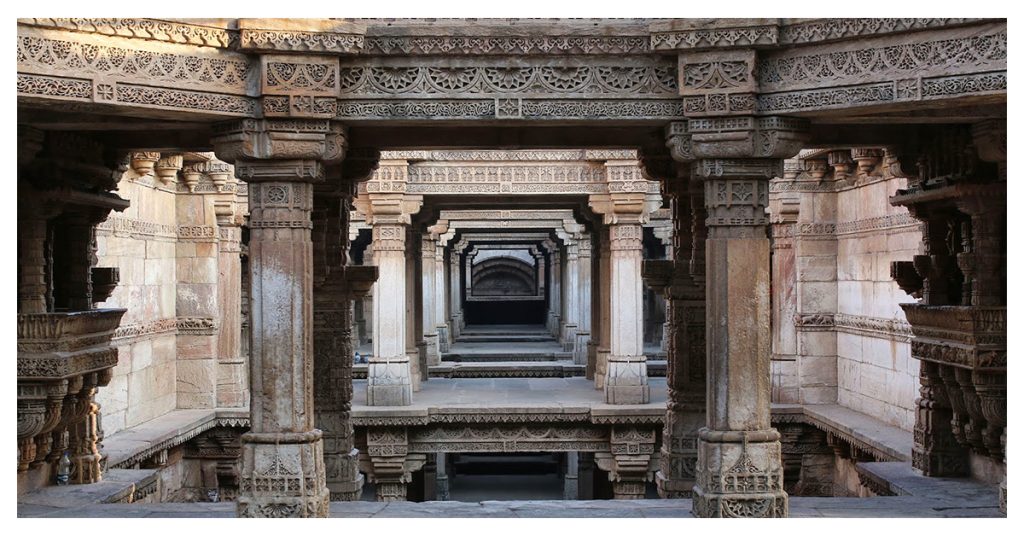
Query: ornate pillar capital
{"x":280,"y":149}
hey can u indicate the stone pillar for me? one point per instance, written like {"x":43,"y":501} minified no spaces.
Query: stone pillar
{"x":739,"y":456}
{"x":431,"y":338}
{"x":440,"y":296}
{"x":455,"y":286}
{"x":604,"y":281}
{"x":390,"y":379}
{"x":585,"y":290}
{"x":442,"y":477}
{"x":555,"y":293}
{"x":571,"y":486}
{"x":570,"y":292}
{"x":282,"y":465}
{"x":232,"y":377}
{"x":624,"y":211}
{"x":681,"y":280}
{"x":414,"y":312}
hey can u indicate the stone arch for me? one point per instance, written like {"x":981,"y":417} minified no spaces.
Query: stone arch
{"x":504,"y":276}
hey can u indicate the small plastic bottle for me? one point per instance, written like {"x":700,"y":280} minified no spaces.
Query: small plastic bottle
{"x":64,"y":470}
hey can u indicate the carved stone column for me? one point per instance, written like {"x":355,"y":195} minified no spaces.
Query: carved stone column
{"x":570,"y":289}
{"x":624,"y":211}
{"x":682,"y":283}
{"x":282,"y":466}
{"x":739,"y":456}
{"x":455,"y":289}
{"x":555,"y":293}
{"x":440,"y":295}
{"x":390,"y":373}
{"x":232,"y":378}
{"x":414,"y":347}
{"x":604,"y":280}
{"x":586,"y":284}
{"x":431,"y":337}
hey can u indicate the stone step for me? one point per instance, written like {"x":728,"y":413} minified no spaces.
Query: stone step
{"x":507,"y":369}
{"x":459,"y":357}
{"x":506,"y":338}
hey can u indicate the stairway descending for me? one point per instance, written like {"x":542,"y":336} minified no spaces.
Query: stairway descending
{"x":506,"y":351}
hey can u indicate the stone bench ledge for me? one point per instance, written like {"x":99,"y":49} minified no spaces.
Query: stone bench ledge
{"x":133,"y":445}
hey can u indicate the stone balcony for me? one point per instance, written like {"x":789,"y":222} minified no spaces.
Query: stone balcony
{"x":62,"y":359}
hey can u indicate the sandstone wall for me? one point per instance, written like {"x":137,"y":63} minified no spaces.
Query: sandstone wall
{"x":141,"y":242}
{"x":876,"y":374}
{"x":177,"y":247}
{"x":839,"y":335}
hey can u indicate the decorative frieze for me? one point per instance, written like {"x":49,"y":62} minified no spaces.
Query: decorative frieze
{"x":879,"y":328}
{"x":149,"y":29}
{"x":137,"y":330}
{"x":836,"y":66}
{"x":823,"y":30}
{"x":224,"y":73}
{"x":299,"y":41}
{"x":715,"y":38}
{"x":502,"y":45}
{"x":641,"y":78}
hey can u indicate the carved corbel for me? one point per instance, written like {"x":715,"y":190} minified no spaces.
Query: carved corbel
{"x":143,"y":162}
{"x":167,"y":168}
{"x":842,"y":165}
{"x":192,"y":172}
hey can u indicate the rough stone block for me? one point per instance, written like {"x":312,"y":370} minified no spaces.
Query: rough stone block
{"x":164,"y":348}
{"x":231,"y":385}
{"x":817,"y":343}
{"x":847,"y":374}
{"x":817,"y":371}
{"x":816,"y":297}
{"x":816,"y":268}
{"x":160,"y":249}
{"x":196,"y":383}
{"x":192,"y":347}
{"x":185,"y":249}
{"x":818,"y":395}
{"x":206,"y":249}
{"x":142,"y":355}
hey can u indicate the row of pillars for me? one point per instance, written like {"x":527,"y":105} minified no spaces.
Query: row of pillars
{"x":738,"y":466}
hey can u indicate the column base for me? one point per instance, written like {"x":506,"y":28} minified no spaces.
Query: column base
{"x":392,"y":491}
{"x":443,"y":340}
{"x":626,"y":381}
{"x":601,"y":368}
{"x":283,"y":475}
{"x":580,"y":351}
{"x":389,"y":382}
{"x":626,"y":491}
{"x":432,"y":346}
{"x":678,"y":462}
{"x":569,"y":338}
{"x":739,"y":474}
{"x":344,"y":481}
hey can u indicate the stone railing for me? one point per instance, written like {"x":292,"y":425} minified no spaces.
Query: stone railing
{"x":62,"y":359}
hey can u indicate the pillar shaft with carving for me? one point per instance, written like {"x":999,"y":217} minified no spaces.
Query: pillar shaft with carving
{"x":390,"y":375}
{"x":739,"y":455}
{"x":624,"y":210}
{"x":282,"y":465}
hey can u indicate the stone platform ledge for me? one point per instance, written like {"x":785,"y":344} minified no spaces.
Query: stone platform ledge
{"x":132,"y":445}
{"x":884,"y":441}
{"x":799,"y":507}
{"x":117,"y":486}
{"x":900,"y":479}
